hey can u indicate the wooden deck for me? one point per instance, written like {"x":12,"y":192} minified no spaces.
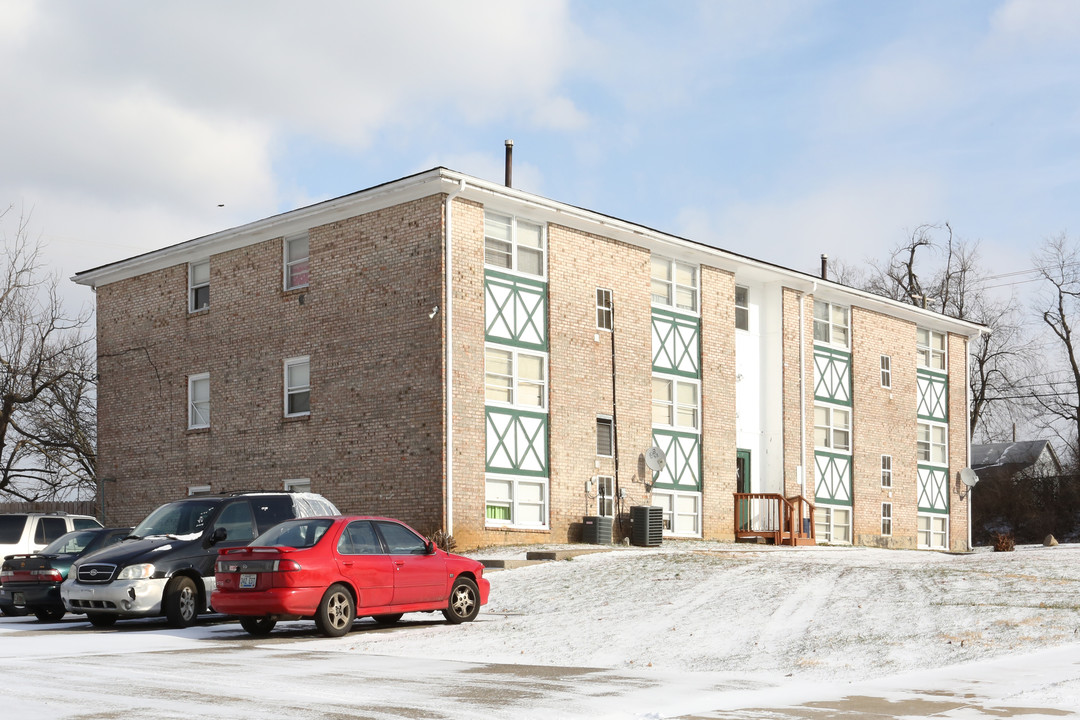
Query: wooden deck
{"x":781,"y":520}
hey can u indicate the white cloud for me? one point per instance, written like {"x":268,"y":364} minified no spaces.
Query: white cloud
{"x":1037,"y":23}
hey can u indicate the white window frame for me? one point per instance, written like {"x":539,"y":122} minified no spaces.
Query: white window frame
{"x":298,"y":485}
{"x":742,"y":310}
{"x":830,"y":525}
{"x":516,"y":247}
{"x":514,"y":503}
{"x":605,"y":495}
{"x":825,"y":328}
{"x":610,"y":422}
{"x":927,"y":354}
{"x":516,"y":381}
{"x":193,"y":286}
{"x":199,"y":490}
{"x":193,"y":422}
{"x":674,"y":406}
{"x":886,"y":372}
{"x":296,"y":390}
{"x":886,"y":471}
{"x":886,"y":519}
{"x":832,"y":429}
{"x":930,"y":537}
{"x":671,"y":285}
{"x":288,"y":265}
{"x":604,"y":314}
{"x":669,"y":501}
{"x":927,"y":430}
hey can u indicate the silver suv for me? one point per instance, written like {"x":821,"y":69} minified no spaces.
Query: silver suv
{"x":29,"y":532}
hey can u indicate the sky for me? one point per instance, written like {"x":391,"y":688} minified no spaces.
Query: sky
{"x":779,"y":130}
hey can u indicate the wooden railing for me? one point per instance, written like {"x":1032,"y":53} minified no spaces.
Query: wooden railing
{"x":785,"y":521}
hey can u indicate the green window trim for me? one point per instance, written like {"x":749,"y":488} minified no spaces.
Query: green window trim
{"x":671,"y":347}
{"x":531,"y":451}
{"x":523,"y":311}
{"x":686,"y":461}
{"x":837,"y":383}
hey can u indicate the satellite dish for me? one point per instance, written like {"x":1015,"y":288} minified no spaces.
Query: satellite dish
{"x":968,"y":477}
{"x":655,"y":459}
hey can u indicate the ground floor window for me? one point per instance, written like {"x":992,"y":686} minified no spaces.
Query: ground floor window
{"x":832,"y":524}
{"x":886,"y":518}
{"x":682,"y":512}
{"x":934,"y":531}
{"x":518,"y":502}
{"x":605,"y":496}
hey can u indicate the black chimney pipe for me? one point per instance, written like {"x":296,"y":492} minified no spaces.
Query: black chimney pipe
{"x":824,"y":266}
{"x":509,"y":163}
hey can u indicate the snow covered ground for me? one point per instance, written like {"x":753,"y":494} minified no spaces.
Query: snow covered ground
{"x":685,"y":629}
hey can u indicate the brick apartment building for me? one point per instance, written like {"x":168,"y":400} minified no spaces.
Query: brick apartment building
{"x":477,"y":359}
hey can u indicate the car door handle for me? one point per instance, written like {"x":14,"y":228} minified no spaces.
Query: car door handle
{"x":347,"y":564}
{"x":399,"y":563}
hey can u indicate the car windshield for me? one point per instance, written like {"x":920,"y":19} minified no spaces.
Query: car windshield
{"x":294,"y":533}
{"x":11,"y":528}
{"x":73,"y":542}
{"x":186,"y":517}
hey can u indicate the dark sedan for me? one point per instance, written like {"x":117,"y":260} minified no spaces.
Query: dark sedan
{"x":33,"y":581}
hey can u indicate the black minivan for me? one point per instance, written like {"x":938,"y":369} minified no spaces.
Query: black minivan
{"x":166,"y":566}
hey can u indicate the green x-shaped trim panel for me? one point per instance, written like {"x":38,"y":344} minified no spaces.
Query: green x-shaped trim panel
{"x":517,"y":442}
{"x":683,"y":468}
{"x":676,"y":343}
{"x":515,"y":311}
{"x":832,"y":376}
{"x":933,"y":396}
{"x":933,"y":490}
{"x":832,"y":478}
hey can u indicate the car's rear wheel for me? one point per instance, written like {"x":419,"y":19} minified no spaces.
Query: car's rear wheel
{"x":387,"y":619}
{"x":48,"y":614}
{"x":181,"y":602}
{"x":258,"y":625}
{"x":464,"y":601}
{"x":12,"y":610}
{"x":336,"y":612}
{"x":101,"y":620}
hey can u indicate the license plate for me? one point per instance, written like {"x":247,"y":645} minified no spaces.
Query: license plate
{"x":247,"y":580}
{"x":17,"y":599}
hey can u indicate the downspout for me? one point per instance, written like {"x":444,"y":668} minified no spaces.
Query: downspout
{"x":448,"y":320}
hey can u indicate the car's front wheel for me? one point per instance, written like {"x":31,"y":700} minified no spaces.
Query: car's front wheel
{"x":181,"y":602}
{"x":258,"y":625}
{"x":48,"y":614}
{"x":464,"y":601}
{"x":101,"y":620}
{"x":336,"y":612}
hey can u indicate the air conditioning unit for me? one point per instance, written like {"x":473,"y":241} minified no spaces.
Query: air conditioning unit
{"x":646,"y":525}
{"x":596,"y":530}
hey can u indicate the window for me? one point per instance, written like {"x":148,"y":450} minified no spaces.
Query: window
{"x":933,"y":531}
{"x":886,"y":371}
{"x":832,"y":428}
{"x":603,"y":309}
{"x":886,"y":519}
{"x":296,"y":262}
{"x":605,"y":496}
{"x":932,"y":443}
{"x":199,"y":401}
{"x":742,"y":308}
{"x":675,"y":403}
{"x":680,"y":512}
{"x":831,"y":324}
{"x":832,"y":524}
{"x":674,"y":284}
{"x":198,"y":285}
{"x":930,"y":346}
{"x":514,"y":378}
{"x":513,"y":244}
{"x":198,"y":490}
{"x":49,"y":529}
{"x":605,"y":436}
{"x":359,"y":538}
{"x":886,"y":471}
{"x":517,"y":502}
{"x":238,"y":522}
{"x":400,"y":540}
{"x":300,"y":485}
{"x":297,"y":387}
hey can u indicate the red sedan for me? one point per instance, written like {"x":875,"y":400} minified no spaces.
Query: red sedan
{"x":337,"y":569}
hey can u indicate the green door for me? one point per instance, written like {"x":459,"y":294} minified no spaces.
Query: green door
{"x":742,"y":485}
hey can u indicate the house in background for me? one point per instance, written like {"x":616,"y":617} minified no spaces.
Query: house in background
{"x":497,"y":365}
{"x":1017,"y":459}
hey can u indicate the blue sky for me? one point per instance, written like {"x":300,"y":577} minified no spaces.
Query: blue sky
{"x":779,"y":130}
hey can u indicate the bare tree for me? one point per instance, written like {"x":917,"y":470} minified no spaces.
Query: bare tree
{"x":47,"y":417}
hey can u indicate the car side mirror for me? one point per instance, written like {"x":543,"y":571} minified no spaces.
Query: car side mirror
{"x":218,"y":535}
{"x":430,"y":547}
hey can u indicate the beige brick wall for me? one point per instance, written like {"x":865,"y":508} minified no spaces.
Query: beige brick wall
{"x":958,"y":443}
{"x":373,"y":442}
{"x":793,"y":364}
{"x":718,"y":403}
{"x":884,"y":424}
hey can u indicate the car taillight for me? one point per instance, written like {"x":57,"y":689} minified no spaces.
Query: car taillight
{"x":48,"y":575}
{"x":6,"y":575}
{"x":286,"y":566}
